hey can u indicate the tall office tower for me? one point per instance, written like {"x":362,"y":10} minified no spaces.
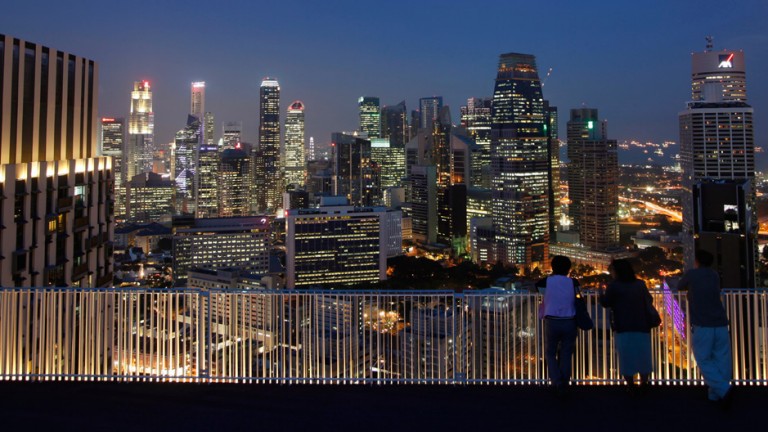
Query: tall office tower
{"x":186,"y":147}
{"x":354,"y":174}
{"x":268,"y":185}
{"x":394,"y":124}
{"x":311,"y":153}
{"x":413,"y":125}
{"x":593,"y":180}
{"x":149,"y":198}
{"x":429,"y":111}
{"x":234,"y":183}
{"x":476,"y":119}
{"x":726,"y":69}
{"x":391,"y":160}
{"x":553,"y":147}
{"x":113,"y":144}
{"x":520,"y":163}
{"x":207,"y":179}
{"x":295,"y":163}
{"x":141,"y":126}
{"x":197,"y":104}
{"x":55,"y":192}
{"x":208,"y":128}
{"x":370,"y":116}
{"x":450,"y":155}
{"x":336,"y":244}
{"x":231,"y":134}
{"x":422,"y":196}
{"x":240,"y":243}
{"x":717,"y":144}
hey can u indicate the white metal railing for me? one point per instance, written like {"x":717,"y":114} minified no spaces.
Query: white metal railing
{"x":335,"y":337}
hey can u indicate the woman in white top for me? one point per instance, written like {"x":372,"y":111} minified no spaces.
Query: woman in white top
{"x":559,"y":312}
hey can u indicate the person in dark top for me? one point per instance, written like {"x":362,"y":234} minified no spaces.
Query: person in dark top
{"x":628,"y":297}
{"x":710,"y":338}
{"x":559,"y":311}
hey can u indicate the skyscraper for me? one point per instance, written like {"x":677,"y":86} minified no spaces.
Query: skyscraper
{"x":57,"y":227}
{"x":593,"y":180}
{"x":429,"y":111}
{"x":717,"y":144}
{"x":207,"y":179}
{"x":187,"y":145}
{"x":391,"y":160}
{"x":197,"y":104}
{"x":519,"y":163}
{"x":149,"y":198}
{"x":234,"y":183}
{"x":311,"y":153}
{"x":141,"y":126}
{"x":553,"y":148}
{"x":370,"y":116}
{"x":354,"y":175}
{"x":295,"y":163}
{"x":231,"y":133}
{"x":268,"y":189}
{"x":394,"y":124}
{"x":476,"y":119}
{"x":113,"y":145}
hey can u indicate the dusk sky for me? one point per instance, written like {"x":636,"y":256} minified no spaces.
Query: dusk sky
{"x":631,"y":60}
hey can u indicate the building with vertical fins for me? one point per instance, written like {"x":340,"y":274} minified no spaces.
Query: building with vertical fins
{"x":295,"y":163}
{"x":267,"y":185}
{"x":370,"y":116}
{"x":56,"y":194}
{"x":429,"y":111}
{"x":112,"y":144}
{"x":717,"y":156}
{"x":520,"y":163}
{"x":141,"y":127}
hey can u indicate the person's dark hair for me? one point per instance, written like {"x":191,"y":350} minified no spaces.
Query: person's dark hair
{"x":561,"y":265}
{"x":704,"y":258}
{"x":623,"y":270}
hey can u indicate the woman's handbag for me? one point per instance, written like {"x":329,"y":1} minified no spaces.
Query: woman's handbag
{"x":583,"y":320}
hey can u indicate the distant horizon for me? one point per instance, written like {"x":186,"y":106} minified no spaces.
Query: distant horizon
{"x":631,"y":62}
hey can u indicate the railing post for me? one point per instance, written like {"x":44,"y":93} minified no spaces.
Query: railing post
{"x":459,"y":340}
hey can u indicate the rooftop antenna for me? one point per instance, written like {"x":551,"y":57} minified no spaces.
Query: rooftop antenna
{"x":709,"y":43}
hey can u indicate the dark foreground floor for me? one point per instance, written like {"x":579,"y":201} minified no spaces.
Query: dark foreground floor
{"x":170,"y":407}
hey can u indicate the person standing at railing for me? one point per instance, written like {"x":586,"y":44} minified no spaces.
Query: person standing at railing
{"x":709,"y":326}
{"x":629,"y":301}
{"x":559,"y":311}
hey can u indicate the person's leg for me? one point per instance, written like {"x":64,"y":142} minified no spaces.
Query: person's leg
{"x":723,"y":360}
{"x":567,"y":346}
{"x":550,"y":350}
{"x":703,"y":343}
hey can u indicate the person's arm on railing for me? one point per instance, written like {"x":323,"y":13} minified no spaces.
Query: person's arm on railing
{"x":684,"y":283}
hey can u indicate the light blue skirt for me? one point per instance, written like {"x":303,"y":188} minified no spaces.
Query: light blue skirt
{"x":634,"y":352}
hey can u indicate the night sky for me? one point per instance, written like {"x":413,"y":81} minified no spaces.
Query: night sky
{"x":631,"y":60}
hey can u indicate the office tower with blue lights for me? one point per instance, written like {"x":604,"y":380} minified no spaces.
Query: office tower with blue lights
{"x":267,"y":167}
{"x":520,"y":164}
{"x":370,"y":116}
{"x":429,"y":111}
{"x":717,"y":156}
{"x":141,"y":131}
{"x":187,"y":144}
{"x":56,"y":193}
{"x":593,"y":180}
{"x":295,"y":164}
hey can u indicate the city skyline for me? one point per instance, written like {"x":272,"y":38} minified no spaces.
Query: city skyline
{"x":637,"y":75}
